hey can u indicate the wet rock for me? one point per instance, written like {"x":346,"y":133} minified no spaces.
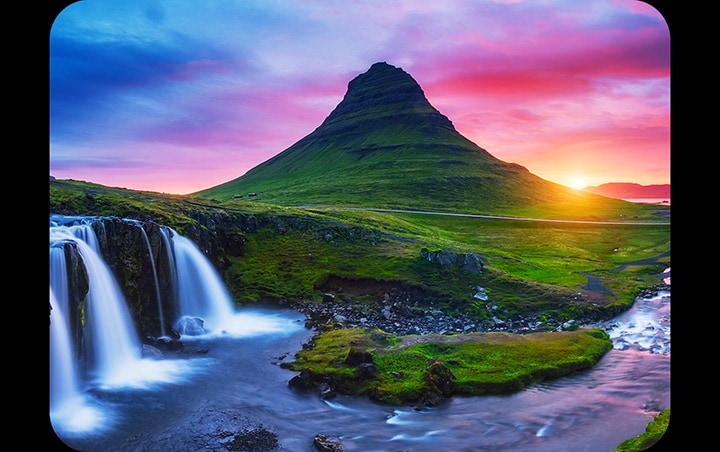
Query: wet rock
{"x":325,"y":390}
{"x":190,"y":326}
{"x":304,"y":380}
{"x":326,"y":443}
{"x":149,"y":351}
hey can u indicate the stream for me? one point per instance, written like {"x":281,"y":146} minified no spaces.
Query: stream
{"x":230,"y":387}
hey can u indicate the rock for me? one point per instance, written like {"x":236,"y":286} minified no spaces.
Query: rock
{"x":438,"y":382}
{"x":190,"y":326}
{"x":149,"y":351}
{"x":472,"y":264}
{"x":366,"y":371}
{"x":446,"y":259}
{"x":304,"y":380}
{"x":357,"y":356}
{"x":253,"y":439}
{"x":326,"y":443}
{"x":325,"y":391}
{"x":480,"y":294}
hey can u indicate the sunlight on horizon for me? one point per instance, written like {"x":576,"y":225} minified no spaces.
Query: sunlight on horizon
{"x":577,"y":182}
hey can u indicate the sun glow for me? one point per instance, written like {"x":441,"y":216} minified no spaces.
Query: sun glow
{"x":577,"y":182}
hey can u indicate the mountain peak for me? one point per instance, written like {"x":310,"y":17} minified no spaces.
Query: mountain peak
{"x":386,"y":146}
{"x":385,"y":89}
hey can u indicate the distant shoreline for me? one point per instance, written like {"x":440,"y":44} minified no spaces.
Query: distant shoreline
{"x":628,"y":190}
{"x":661,"y":201}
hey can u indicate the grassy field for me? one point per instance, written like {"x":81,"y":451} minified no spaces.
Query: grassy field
{"x":528,"y":266}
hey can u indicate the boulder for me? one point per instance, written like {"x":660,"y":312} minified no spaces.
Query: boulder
{"x":470,"y":262}
{"x":438,"y":380}
{"x":149,"y":351}
{"x":358,"y":356}
{"x":190,"y":326}
{"x":304,"y":380}
{"x":366,"y":371}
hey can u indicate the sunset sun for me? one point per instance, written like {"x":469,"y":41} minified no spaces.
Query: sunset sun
{"x":578,"y":182}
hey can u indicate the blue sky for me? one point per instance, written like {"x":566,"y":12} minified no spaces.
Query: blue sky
{"x":179,"y":95}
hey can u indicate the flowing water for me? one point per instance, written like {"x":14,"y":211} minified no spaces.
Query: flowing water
{"x":198,"y":401}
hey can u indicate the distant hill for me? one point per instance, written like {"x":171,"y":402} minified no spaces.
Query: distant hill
{"x":627,"y":190}
{"x":385,"y":146}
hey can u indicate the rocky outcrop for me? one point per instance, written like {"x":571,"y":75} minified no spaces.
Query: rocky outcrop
{"x":137,"y":255}
{"x":136,"y":252}
{"x":470,"y":262}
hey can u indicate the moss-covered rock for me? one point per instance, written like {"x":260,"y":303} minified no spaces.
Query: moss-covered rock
{"x":428,"y":369}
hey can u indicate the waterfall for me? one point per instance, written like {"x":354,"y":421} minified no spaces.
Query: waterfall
{"x":64,"y":387}
{"x":94,"y":346}
{"x":203,"y":302}
{"x":112,"y":337}
{"x":167,"y":234}
{"x":157,"y":284}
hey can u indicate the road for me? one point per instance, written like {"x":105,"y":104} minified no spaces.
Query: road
{"x":500,"y":217}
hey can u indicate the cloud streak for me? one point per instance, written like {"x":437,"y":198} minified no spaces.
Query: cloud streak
{"x":178,"y":96}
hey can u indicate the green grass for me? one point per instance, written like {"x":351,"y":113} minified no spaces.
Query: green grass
{"x":480,"y":363}
{"x":529,"y":266}
{"x":653,"y":433}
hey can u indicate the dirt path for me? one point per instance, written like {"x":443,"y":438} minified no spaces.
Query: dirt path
{"x":594,"y":284}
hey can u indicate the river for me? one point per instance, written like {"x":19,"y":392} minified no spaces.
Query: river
{"x":233,"y":386}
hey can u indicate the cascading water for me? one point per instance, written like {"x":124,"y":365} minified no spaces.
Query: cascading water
{"x":64,"y":389}
{"x":109,"y":355}
{"x":112,"y":337}
{"x":202,"y":299}
{"x":593,"y":410}
{"x":157,"y":284}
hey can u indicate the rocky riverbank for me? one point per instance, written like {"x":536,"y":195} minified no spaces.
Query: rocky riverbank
{"x":396,"y":312}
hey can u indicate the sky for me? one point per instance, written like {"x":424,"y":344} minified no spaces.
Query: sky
{"x":176,"y":96}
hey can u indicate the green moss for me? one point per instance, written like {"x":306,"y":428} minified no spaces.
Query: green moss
{"x":653,"y":433}
{"x":471,"y":364}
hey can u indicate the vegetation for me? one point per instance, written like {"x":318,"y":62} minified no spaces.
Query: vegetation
{"x":528,"y":266}
{"x":425,"y":369}
{"x":386,"y":147}
{"x":653,"y":433}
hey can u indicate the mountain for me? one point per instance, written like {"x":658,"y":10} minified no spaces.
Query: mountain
{"x":628,"y":190}
{"x":385,"y":146}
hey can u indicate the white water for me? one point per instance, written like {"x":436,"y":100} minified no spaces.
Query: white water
{"x":157,"y":284}
{"x":112,"y":339}
{"x":591,"y":411}
{"x":200,"y":291}
{"x":111,"y":356}
{"x":146,"y":410}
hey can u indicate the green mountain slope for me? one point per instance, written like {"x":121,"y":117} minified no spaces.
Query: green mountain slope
{"x":386,"y":146}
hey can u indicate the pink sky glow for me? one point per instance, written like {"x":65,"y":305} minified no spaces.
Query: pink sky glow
{"x":178,"y":96}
